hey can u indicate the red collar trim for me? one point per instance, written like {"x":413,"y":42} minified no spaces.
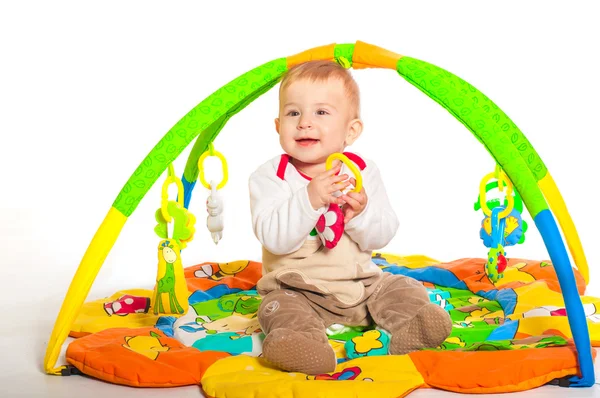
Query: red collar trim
{"x":304,"y":175}
{"x":356,"y":159}
{"x":283,"y":162}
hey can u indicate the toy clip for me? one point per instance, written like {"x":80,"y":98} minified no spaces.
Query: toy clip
{"x":502,"y":179}
{"x":171,"y":179}
{"x":212,"y":152}
{"x":214,"y":203}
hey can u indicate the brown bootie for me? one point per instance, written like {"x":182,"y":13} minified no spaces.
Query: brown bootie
{"x":428,"y":329}
{"x":295,"y":352}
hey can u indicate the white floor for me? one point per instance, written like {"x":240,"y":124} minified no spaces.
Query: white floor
{"x":23,"y":347}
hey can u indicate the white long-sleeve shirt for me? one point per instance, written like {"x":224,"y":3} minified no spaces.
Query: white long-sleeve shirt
{"x":283,"y":218}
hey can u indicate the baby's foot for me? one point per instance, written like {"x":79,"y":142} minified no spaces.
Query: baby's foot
{"x":294,"y":352}
{"x":428,"y":329}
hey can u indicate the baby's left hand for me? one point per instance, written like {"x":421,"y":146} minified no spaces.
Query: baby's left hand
{"x":355,"y":203}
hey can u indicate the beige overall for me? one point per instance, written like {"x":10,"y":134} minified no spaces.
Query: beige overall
{"x":307,"y":291}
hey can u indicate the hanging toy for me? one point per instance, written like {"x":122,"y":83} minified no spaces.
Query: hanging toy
{"x":513,"y":234}
{"x":496,"y":261}
{"x":214,"y":220}
{"x":502,"y":225}
{"x":176,"y":226}
{"x":214,"y":203}
{"x":330,"y":226}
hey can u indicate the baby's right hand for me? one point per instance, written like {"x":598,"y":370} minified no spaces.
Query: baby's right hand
{"x":321,"y":188}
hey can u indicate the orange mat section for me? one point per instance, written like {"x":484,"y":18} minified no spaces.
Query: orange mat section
{"x":495,"y":371}
{"x":114,"y":355}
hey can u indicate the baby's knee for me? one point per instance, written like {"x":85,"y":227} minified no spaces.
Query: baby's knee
{"x":283,"y":308}
{"x":269,"y":306}
{"x":405,"y":286}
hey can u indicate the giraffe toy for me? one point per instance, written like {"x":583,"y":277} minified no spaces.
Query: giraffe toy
{"x":170,"y":280}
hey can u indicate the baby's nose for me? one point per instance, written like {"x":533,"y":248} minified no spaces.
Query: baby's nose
{"x":304,"y":124}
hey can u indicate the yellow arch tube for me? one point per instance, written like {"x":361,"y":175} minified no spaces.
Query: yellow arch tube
{"x":80,"y":285}
{"x":559,"y":208}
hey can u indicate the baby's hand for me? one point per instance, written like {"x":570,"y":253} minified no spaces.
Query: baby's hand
{"x":321,"y":188}
{"x":355,"y":203}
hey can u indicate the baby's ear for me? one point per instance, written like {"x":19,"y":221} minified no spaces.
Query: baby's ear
{"x":277,"y":125}
{"x":354,"y":131}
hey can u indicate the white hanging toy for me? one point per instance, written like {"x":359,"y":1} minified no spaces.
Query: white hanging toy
{"x":214,"y":207}
{"x":214,"y":203}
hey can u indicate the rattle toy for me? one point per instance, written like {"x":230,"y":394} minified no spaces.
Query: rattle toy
{"x":176,"y":226}
{"x":502,"y":225}
{"x":330,"y":226}
{"x":214,"y":203}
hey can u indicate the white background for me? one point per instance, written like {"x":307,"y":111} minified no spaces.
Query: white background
{"x":86,"y":91}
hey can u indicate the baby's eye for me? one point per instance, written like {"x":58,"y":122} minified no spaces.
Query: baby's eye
{"x":322,"y":112}
{"x":293,"y":113}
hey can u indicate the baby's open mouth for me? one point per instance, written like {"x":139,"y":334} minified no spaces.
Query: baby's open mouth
{"x":307,"y":141}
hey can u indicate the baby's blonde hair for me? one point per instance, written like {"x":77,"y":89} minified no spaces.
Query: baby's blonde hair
{"x":320,"y":71}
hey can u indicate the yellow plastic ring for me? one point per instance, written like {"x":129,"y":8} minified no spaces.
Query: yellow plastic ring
{"x":498,"y":174}
{"x":502,"y":179}
{"x":344,"y":159}
{"x":164,"y":203}
{"x":213,"y":152}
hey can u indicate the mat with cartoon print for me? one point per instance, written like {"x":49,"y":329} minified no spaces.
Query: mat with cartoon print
{"x":509,"y":336}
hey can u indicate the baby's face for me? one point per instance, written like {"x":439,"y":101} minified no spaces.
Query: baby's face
{"x":315,"y":120}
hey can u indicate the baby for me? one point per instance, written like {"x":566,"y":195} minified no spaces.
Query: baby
{"x":307,"y":287}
